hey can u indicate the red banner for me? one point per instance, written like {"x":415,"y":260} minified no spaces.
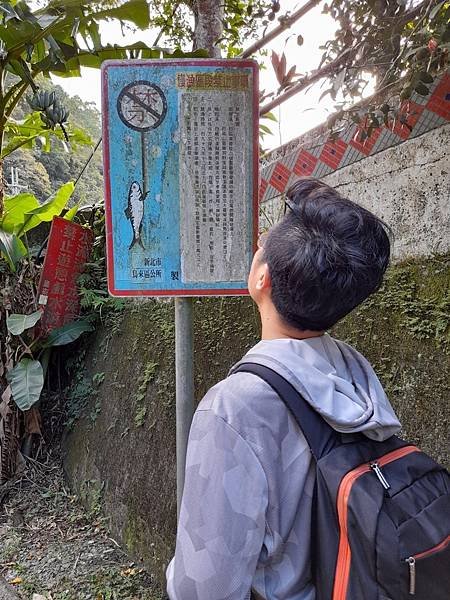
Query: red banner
{"x":68,"y":249}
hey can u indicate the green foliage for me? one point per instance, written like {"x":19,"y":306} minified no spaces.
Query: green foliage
{"x":63,"y":166}
{"x":72,"y":212}
{"x":26,"y":380}
{"x":241,"y":21}
{"x":36,"y":41}
{"x":391,"y":41}
{"x":45,"y":212}
{"x":95,"y":298}
{"x":98,"y":378}
{"x":400,"y":45}
{"x":11,"y":249}
{"x":81,"y":391}
{"x":24,"y":133}
{"x":423,"y":313}
{"x":135,"y":11}
{"x":46,"y":167}
{"x":414,"y":299}
{"x":139,"y":416}
{"x":17,"y":324}
{"x":91,"y":493}
{"x":146,"y":378}
{"x":47,"y":39}
{"x":16,"y":211}
{"x":67,"y":333}
{"x":83,"y":115}
{"x":22,"y":213}
{"x":404,"y":331}
{"x":398,"y":33}
{"x":94,"y":295}
{"x":98,"y":300}
{"x":57,"y":38}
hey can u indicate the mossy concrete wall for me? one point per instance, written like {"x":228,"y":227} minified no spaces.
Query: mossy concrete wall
{"x":122,"y":451}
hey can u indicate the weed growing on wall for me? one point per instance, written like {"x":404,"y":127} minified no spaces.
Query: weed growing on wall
{"x":417,"y":299}
{"x":147,"y":377}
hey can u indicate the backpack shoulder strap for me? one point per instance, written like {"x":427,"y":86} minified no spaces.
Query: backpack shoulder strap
{"x":320,"y":436}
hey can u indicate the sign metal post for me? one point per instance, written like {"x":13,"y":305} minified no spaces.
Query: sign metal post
{"x":184,"y":369}
{"x":181,"y":178}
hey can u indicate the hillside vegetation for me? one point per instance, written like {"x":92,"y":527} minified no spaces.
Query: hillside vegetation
{"x":44,"y":172}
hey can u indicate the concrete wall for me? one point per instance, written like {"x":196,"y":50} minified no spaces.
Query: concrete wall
{"x":407,"y":185}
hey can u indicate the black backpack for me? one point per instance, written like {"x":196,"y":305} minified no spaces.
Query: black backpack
{"x":381,"y":512}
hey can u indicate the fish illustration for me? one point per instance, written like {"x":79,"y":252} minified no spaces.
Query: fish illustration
{"x":135,"y":212}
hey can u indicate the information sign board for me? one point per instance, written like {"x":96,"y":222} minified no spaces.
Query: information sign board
{"x":68,"y":249}
{"x":180,"y":143}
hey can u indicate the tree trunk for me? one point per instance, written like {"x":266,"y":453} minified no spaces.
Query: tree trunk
{"x":208,"y":25}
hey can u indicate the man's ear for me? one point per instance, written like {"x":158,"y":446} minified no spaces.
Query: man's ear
{"x":263,"y":281}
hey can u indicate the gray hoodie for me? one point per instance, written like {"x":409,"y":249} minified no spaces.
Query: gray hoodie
{"x":245,"y":519}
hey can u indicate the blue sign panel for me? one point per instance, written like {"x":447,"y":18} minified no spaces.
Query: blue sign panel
{"x":180,"y":140}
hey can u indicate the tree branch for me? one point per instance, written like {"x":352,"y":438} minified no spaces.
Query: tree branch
{"x":428,"y":4}
{"x":163,"y":28}
{"x":337,"y":62}
{"x":306,"y":81}
{"x":416,"y":11}
{"x":285,"y":23}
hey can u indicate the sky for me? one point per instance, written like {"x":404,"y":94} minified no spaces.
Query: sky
{"x":295,"y":116}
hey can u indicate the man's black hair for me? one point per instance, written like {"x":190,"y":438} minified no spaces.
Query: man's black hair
{"x":325,"y":256}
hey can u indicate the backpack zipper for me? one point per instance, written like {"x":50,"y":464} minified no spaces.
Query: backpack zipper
{"x":412,"y":575}
{"x":342,"y":572}
{"x":378,"y":472}
{"x":411,"y":561}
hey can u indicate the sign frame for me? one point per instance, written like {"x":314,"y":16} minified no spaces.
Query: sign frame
{"x":218,"y":63}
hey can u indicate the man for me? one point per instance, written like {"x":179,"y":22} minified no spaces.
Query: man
{"x":246,"y":514}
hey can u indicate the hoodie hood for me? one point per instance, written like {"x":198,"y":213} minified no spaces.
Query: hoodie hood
{"x":335,"y":379}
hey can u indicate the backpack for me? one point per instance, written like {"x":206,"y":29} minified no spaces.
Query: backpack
{"x":381,"y":511}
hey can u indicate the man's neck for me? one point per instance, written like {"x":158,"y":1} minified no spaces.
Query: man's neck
{"x":274,"y":328}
